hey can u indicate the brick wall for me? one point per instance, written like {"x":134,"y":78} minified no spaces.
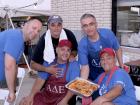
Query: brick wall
{"x":72,"y":10}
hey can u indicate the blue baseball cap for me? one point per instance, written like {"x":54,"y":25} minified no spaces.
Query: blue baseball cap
{"x":55,"y":19}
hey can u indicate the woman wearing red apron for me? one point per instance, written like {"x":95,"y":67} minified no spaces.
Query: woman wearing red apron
{"x":116,"y":87}
{"x":54,"y":92}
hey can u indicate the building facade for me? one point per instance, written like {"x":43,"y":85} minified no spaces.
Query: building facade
{"x":113,"y":14}
{"x":72,"y":10}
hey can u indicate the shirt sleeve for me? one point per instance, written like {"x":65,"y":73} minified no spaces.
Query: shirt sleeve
{"x":73,"y":71}
{"x":14,"y":46}
{"x":121,"y":78}
{"x":110,"y":36}
{"x":115,"y":43}
{"x":83,"y":52}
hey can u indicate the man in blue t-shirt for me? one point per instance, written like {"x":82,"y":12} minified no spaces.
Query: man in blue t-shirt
{"x":92,"y":43}
{"x":116,"y":87}
{"x":54,"y":92}
{"x":11,"y":49}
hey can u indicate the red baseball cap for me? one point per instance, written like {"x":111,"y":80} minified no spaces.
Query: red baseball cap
{"x":65,"y":42}
{"x":110,"y":51}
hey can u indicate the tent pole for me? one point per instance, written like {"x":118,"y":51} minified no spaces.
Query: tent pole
{"x":11,"y":22}
{"x":7,"y":22}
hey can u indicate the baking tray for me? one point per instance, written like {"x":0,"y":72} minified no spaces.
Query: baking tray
{"x":82,"y":87}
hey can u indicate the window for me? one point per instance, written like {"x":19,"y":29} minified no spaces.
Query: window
{"x":128,"y":22}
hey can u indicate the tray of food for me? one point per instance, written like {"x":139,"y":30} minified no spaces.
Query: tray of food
{"x":82,"y":87}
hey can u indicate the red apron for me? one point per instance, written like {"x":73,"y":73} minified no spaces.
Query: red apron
{"x":110,"y":76}
{"x":53,"y":92}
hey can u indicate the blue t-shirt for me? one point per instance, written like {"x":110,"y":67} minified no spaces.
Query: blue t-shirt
{"x":12,"y":43}
{"x":72,"y":72}
{"x":122,"y":78}
{"x":88,"y":51}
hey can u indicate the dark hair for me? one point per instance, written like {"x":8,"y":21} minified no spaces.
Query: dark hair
{"x":87,"y":15}
{"x":35,"y":18}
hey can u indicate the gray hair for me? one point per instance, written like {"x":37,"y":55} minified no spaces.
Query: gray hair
{"x":87,"y":15}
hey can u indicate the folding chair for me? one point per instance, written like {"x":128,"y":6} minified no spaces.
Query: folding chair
{"x":4,"y":92}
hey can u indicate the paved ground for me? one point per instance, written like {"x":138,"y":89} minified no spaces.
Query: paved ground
{"x":26,"y":87}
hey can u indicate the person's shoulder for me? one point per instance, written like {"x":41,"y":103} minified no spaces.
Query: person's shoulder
{"x":72,"y":63}
{"x":105,"y":32}
{"x":67,"y":30}
{"x":42,"y":38}
{"x":43,"y":35}
{"x":120,"y":72}
{"x":69,"y":33}
{"x":83,"y":40}
{"x":12,"y":30}
{"x":104,"y":29}
{"x":14,"y":33}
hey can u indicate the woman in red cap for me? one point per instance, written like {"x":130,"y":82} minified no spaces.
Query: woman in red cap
{"x":116,"y":87}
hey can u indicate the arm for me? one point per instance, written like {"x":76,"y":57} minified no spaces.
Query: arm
{"x":109,"y":96}
{"x":28,"y":100}
{"x":10,"y":73}
{"x":83,"y":57}
{"x":50,"y":69}
{"x":37,"y":86}
{"x":119,"y":57}
{"x":65,"y":100}
{"x":37,"y":66}
{"x":85,"y":71}
{"x":37,"y":59}
{"x":120,"y":60}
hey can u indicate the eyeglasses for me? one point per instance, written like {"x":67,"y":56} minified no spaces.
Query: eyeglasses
{"x":92,"y":24}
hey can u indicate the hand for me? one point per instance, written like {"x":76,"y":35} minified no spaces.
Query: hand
{"x":86,"y":100}
{"x":99,"y":101}
{"x":63,"y":102}
{"x":26,"y":101}
{"x":72,"y":58}
{"x":11,"y":97}
{"x":126,"y":68}
{"x":53,"y":69}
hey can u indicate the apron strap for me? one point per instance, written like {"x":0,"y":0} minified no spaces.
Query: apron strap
{"x":67,"y":65}
{"x":110,"y":76}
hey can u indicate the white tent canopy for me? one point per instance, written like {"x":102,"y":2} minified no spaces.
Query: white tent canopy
{"x":15,"y":8}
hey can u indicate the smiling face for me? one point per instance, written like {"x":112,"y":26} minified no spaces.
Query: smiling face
{"x":31,"y":29}
{"x":89,"y":26}
{"x":55,"y":29}
{"x":63,"y":54}
{"x":107,"y":62}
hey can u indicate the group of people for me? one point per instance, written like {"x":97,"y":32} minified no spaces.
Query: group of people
{"x":55,"y":60}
